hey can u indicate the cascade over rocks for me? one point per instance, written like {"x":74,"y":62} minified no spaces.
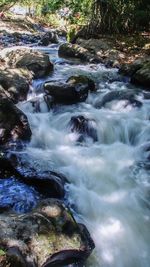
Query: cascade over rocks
{"x":48,"y":236}
{"x":119,"y":95}
{"x":73,"y":91}
{"x":13,"y":124}
{"x":36,"y":62}
{"x":84,"y":127}
{"x":15,"y":83}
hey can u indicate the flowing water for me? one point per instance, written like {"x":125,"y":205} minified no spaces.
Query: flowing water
{"x":109,"y":179}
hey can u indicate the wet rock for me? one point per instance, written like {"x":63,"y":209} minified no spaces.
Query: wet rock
{"x":22,"y":186}
{"x":73,"y":91}
{"x":73,"y":50}
{"x":13,"y":124}
{"x":47,"y":183}
{"x":73,"y":80}
{"x":48,"y":236}
{"x":15,"y":84}
{"x":17,"y":196}
{"x":6,"y":167}
{"x":67,"y":93}
{"x":36,"y":62}
{"x":142,"y":76}
{"x":84,"y":127}
{"x":129,"y":96}
{"x":139,"y":71}
{"x":48,"y":38}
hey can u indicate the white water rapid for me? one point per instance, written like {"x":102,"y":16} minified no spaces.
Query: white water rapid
{"x":109,"y":188}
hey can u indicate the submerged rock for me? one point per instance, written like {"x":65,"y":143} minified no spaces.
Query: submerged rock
{"x":119,"y":95}
{"x":34,"y":61}
{"x":15,"y":84}
{"x":14,"y":125}
{"x":73,"y":91}
{"x":84,"y":127}
{"x":48,"y":236}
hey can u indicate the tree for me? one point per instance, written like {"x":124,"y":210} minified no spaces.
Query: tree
{"x":119,"y":16}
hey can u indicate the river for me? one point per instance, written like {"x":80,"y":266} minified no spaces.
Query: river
{"x":109,"y":179}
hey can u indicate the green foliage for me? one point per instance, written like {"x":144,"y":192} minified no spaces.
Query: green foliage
{"x":106,"y":15}
{"x":116,"y":16}
{"x":2,"y":252}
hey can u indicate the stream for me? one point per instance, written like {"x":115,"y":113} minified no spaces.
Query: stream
{"x":109,"y":189}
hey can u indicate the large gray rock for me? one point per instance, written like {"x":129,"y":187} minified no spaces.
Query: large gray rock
{"x":46,"y":237}
{"x":34,"y":61}
{"x":73,"y":50}
{"x":73,"y":91}
{"x":15,"y":83}
{"x":13,"y":123}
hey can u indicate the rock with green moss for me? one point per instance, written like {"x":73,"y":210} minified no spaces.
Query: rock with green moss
{"x":83,"y":80}
{"x":48,"y":236}
{"x":139,"y":71}
{"x":142,"y":75}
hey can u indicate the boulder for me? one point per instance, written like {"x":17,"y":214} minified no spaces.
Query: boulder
{"x":48,"y":236}
{"x":36,"y":62}
{"x":15,"y":83}
{"x":48,"y":38}
{"x":14,"y":125}
{"x":139,"y":71}
{"x":73,"y":91}
{"x":84,"y":127}
{"x":119,"y":95}
{"x":73,"y":50}
{"x":142,"y":76}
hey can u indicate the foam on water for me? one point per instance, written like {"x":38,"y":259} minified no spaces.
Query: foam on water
{"x":108,"y":190}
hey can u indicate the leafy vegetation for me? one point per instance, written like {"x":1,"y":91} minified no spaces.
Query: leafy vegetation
{"x":102,"y":16}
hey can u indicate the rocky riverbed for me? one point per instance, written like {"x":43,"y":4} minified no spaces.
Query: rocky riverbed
{"x":74,"y":146}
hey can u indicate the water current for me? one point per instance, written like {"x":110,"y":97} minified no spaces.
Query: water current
{"x":109,"y":189}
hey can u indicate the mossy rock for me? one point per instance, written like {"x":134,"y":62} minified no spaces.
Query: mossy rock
{"x":73,"y":80}
{"x":142,"y":75}
{"x":48,"y":236}
{"x":139,"y":71}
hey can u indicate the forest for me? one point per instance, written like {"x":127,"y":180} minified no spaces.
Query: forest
{"x":104,"y":16}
